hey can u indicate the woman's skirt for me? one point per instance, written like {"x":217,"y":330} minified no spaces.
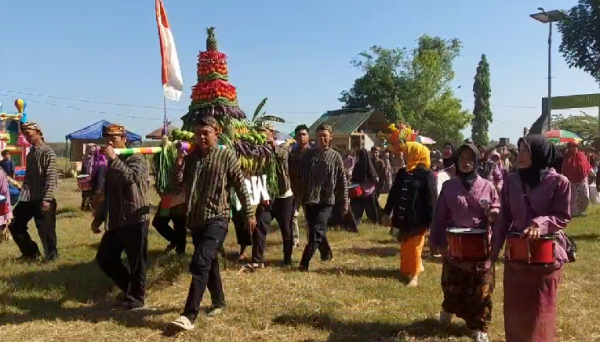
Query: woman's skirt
{"x":580,"y":197}
{"x":530,"y":299}
{"x":411,"y":248}
{"x":468,"y":295}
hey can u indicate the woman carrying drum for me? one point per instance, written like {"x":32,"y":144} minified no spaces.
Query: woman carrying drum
{"x":534,"y":211}
{"x":410,"y":203}
{"x":471,"y":203}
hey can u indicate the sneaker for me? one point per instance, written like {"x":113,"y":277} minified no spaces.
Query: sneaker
{"x":182,"y":324}
{"x":215,"y":311}
{"x":413,"y":282}
{"x":480,"y":336}
{"x":255,"y":266}
{"x":129,"y":306}
{"x":446,"y":318}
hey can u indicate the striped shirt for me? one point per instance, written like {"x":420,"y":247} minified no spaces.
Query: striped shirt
{"x":41,"y":176}
{"x":207,"y":182}
{"x":125,"y":192}
{"x":295,"y":159}
{"x":283,"y":173}
{"x":323,"y":178}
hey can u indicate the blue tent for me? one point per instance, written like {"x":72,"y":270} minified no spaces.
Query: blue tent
{"x":94,"y":132}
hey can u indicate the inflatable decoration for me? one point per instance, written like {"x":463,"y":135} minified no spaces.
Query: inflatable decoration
{"x":11,"y":137}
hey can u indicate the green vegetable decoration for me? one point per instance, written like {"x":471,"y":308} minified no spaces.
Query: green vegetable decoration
{"x":213,"y":95}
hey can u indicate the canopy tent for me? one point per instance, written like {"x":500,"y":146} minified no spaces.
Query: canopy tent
{"x":158,"y":133}
{"x":92,"y":134}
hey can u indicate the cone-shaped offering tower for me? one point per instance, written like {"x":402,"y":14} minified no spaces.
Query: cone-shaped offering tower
{"x":213,"y":94}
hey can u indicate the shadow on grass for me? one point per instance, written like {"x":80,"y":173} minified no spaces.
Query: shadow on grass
{"x":585,"y":237}
{"x":385,"y":273}
{"x":341,"y":331}
{"x":82,"y":283}
{"x":379,"y":251}
{"x":43,"y":309}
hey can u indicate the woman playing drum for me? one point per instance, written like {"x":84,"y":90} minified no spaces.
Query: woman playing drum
{"x":471,"y":203}
{"x":535,"y":204}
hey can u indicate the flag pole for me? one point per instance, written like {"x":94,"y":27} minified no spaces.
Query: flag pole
{"x":166,"y":121}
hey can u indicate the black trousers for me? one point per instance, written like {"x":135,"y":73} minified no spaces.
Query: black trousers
{"x":204,"y":267}
{"x":133,"y":239}
{"x":242,"y":234}
{"x":176,"y":235}
{"x":282,"y":210}
{"x":367,"y":204}
{"x":45,"y":222}
{"x":317,"y":216}
{"x":346,"y":221}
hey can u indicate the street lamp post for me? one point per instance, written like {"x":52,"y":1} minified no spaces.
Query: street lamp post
{"x":548,"y":18}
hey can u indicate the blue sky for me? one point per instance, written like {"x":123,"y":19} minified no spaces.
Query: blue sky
{"x":296,"y":53}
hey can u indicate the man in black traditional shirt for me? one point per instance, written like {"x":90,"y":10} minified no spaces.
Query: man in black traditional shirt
{"x":281,"y":208}
{"x":207,"y":175}
{"x":37,"y":198}
{"x":324,"y":183}
{"x":123,"y":205}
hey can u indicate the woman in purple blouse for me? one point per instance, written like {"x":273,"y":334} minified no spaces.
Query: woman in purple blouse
{"x":466,"y":201}
{"x":535,"y":201}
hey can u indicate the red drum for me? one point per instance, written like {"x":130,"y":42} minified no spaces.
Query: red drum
{"x":355,"y":191}
{"x":4,"y":207}
{"x":539,"y":251}
{"x":84,"y":182}
{"x":468,"y":244}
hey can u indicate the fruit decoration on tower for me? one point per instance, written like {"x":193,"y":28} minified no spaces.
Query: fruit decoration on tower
{"x":214,"y":96}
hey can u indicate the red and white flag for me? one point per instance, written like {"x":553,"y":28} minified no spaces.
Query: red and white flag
{"x":171,"y":71}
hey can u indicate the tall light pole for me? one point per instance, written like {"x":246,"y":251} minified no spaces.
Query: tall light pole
{"x":548,"y":18}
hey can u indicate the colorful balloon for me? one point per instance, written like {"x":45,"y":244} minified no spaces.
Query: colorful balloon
{"x":20,"y":104}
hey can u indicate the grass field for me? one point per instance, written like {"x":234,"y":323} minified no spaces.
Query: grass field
{"x":355,"y":298}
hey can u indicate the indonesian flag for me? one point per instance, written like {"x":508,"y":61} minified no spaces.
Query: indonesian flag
{"x":171,"y":71}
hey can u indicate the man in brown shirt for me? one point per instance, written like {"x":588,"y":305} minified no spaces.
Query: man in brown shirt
{"x":324,"y":183}
{"x":123,"y":206}
{"x":37,"y":198}
{"x":281,"y":208}
{"x":206,"y":176}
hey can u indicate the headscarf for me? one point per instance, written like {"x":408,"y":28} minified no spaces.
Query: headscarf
{"x":88,"y":159}
{"x":98,"y":162}
{"x":448,"y":162}
{"x":363,"y":169}
{"x":416,"y":154}
{"x":496,"y":154}
{"x":468,"y":179}
{"x":543,"y":155}
{"x":576,"y":167}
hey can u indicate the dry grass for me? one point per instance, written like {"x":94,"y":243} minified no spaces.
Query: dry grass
{"x":355,"y":298}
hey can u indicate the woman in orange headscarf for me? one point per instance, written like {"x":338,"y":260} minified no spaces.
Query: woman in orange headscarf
{"x":410,"y":205}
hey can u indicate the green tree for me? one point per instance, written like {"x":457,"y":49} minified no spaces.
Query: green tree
{"x":580,"y":44}
{"x":482,"y":113}
{"x":586,"y":126}
{"x":412,"y":86}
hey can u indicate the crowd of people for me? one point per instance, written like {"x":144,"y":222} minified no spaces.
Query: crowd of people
{"x":492,"y":198}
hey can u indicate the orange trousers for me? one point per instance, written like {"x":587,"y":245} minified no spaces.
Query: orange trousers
{"x":411,"y":263}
